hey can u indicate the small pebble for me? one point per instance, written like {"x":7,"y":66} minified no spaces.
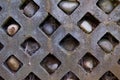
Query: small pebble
{"x":53,"y":67}
{"x":29,"y":64}
{"x":88,"y":63}
{"x":106,"y":45}
{"x":12,"y":29}
{"x":30,"y":9}
{"x":86,"y":26}
{"x":48,"y":29}
{"x":68,"y":6}
{"x":13,"y":64}
{"x":106,"y":6}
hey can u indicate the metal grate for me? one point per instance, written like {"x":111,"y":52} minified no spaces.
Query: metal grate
{"x":59,"y":40}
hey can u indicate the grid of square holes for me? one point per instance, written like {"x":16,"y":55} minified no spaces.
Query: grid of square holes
{"x":59,"y":40}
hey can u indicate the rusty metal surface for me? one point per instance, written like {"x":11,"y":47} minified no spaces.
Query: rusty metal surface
{"x":68,"y":45}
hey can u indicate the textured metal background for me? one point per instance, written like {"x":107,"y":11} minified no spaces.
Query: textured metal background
{"x":69,"y":59}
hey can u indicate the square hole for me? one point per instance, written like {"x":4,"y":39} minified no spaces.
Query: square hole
{"x":32,"y":76}
{"x":49,"y":25}
{"x":29,"y":8}
{"x":68,"y":6}
{"x":70,"y":76}
{"x":69,"y":43}
{"x":108,"y":76}
{"x":88,"y":23}
{"x":88,"y":62}
{"x":108,"y":42}
{"x":10,"y":26}
{"x":107,"y":5}
{"x":13,"y":64}
{"x":50,"y":63}
{"x":30,"y":46}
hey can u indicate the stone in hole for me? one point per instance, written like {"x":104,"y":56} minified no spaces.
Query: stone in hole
{"x":88,"y":62}
{"x":49,"y":25}
{"x":10,"y":26}
{"x":107,"y":5}
{"x":13,"y":64}
{"x":88,"y":23}
{"x":50,"y":63}
{"x":32,"y":76}
{"x":108,"y":42}
{"x":70,"y":76}
{"x":30,"y":46}
{"x":108,"y":76}
{"x":29,"y":8}
{"x":68,"y":6}
{"x":69,"y":42}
